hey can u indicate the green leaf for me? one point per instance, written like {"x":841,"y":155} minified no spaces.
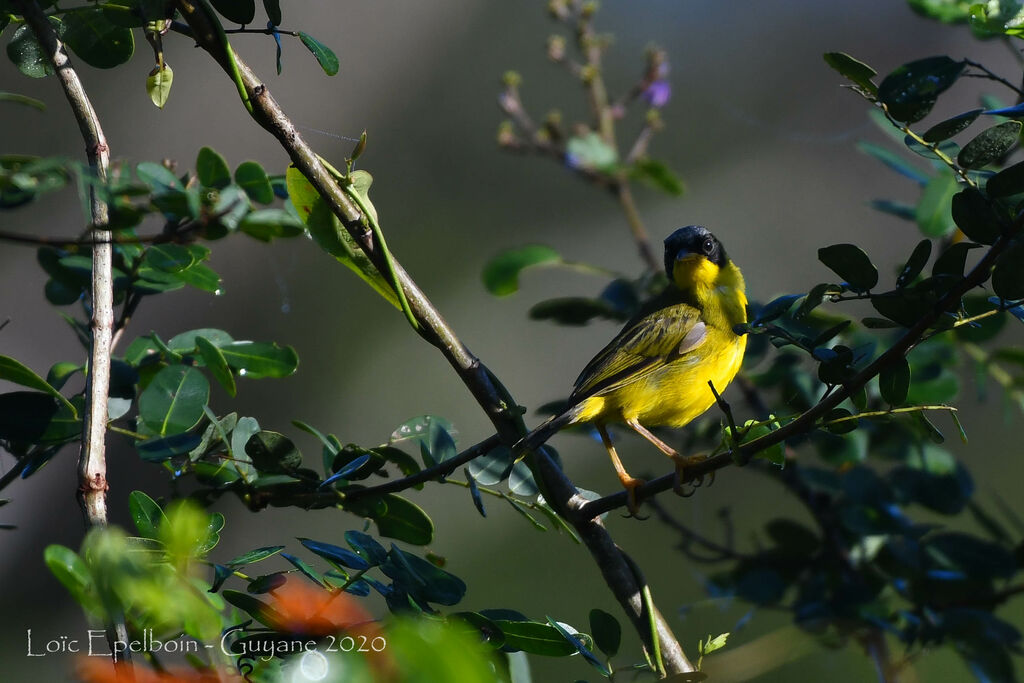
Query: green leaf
{"x":400,"y":519}
{"x":158,"y":85}
{"x":915,"y":264}
{"x":950,"y":127}
{"x":260,"y":359}
{"x":212,"y":169}
{"x":174,"y":400}
{"x":22,"y":99}
{"x":573,"y":310}
{"x":146,"y":514}
{"x":327,"y":59}
{"x":606,"y":631}
{"x":1008,"y":181}
{"x":328,"y":232}
{"x":432,"y":434}
{"x":254,"y":556}
{"x":160,"y":449}
{"x":933,"y":213}
{"x":237,"y":11}
{"x":366,"y":547}
{"x":13,"y":371}
{"x":336,"y":554}
{"x":894,"y":381}
{"x":911,"y":90}
{"x":172,"y":258}
{"x":989,"y":145}
{"x":266,"y":224}
{"x":61,"y":372}
{"x":892,"y":161}
{"x":855,"y":70}
{"x":303,"y":567}
{"x":73,"y":573}
{"x":1008,"y":276}
{"x":30,"y":417}
{"x":251,"y":177}
{"x":953,"y":260}
{"x":576,"y":639}
{"x":776,"y":308}
{"x":849,"y":262}
{"x":657,"y":174}
{"x":217,"y":364}
{"x":975,"y":217}
{"x":28,"y":55}
{"x":98,"y":41}
{"x":273,"y":452}
{"x":947,"y":148}
{"x":535,"y":638}
{"x":158,"y":176}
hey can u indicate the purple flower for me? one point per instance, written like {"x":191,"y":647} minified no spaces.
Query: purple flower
{"x":658,"y":93}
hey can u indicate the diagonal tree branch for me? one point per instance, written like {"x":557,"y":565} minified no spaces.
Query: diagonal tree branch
{"x":487,"y":392}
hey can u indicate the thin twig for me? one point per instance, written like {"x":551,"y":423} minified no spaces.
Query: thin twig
{"x":488,"y":393}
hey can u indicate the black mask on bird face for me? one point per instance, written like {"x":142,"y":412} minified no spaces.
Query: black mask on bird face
{"x":692,"y":243}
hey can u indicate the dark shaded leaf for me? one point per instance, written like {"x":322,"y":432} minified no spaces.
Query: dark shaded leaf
{"x":915,"y":264}
{"x":236,"y":11}
{"x":849,"y":262}
{"x":212,"y":169}
{"x":336,"y":554}
{"x":1008,"y":181}
{"x":421,"y":579}
{"x":975,"y":217}
{"x":1008,"y":276}
{"x":892,"y":161}
{"x":989,"y":145}
{"x":910,"y":91}
{"x":273,"y":452}
{"x":854,"y":69}
{"x":894,"y":381}
{"x":606,"y":631}
{"x":251,"y":177}
{"x":100,"y":43}
{"x":260,"y":611}
{"x":166,"y":447}
{"x":366,"y":547}
{"x":950,"y":127}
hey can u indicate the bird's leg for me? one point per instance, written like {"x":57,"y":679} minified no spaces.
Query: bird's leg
{"x":628,"y":482}
{"x":681,"y":461}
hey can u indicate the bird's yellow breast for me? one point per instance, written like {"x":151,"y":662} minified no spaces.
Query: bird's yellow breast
{"x":673,"y":395}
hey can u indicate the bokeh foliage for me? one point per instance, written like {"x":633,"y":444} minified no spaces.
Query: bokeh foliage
{"x":865,"y":470}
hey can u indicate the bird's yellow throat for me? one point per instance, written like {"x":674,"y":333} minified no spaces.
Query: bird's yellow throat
{"x":718,"y":292}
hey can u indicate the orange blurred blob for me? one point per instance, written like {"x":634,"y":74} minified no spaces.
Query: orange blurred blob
{"x":306,"y":609}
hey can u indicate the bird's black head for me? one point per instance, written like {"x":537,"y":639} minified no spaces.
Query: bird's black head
{"x":693,"y":240}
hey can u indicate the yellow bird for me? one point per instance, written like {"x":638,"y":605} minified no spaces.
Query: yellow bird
{"x":655,"y":372}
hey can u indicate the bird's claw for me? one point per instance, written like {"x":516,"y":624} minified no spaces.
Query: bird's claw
{"x":631,"y":484}
{"x":679,"y":480}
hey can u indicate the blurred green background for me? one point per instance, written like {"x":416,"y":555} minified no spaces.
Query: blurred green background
{"x":760,"y":131}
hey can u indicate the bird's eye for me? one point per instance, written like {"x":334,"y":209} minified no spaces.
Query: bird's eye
{"x":709,"y":246}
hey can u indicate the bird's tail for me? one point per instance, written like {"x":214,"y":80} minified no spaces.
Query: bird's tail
{"x":541,"y":433}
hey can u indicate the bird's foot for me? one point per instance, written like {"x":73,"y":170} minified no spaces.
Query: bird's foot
{"x":631,"y":484}
{"x":681,"y":479}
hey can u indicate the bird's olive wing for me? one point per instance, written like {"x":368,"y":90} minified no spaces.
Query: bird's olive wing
{"x":643,"y":346}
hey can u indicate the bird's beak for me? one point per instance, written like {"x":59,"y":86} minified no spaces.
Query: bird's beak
{"x":684,"y":255}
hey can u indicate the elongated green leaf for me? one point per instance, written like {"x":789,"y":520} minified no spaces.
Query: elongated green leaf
{"x":258,"y":610}
{"x":260,"y":359}
{"x":146,"y":514}
{"x":273,"y":9}
{"x":328,"y":232}
{"x":535,"y":638}
{"x":251,"y":177}
{"x":212,"y":169}
{"x":174,"y":400}
{"x":501,"y":274}
{"x":989,"y":145}
{"x":1008,"y":276}
{"x":13,"y":371}
{"x":894,"y":162}
{"x":854,"y":69}
{"x":166,"y":447}
{"x":950,"y":127}
{"x":894,"y":381}
{"x":73,"y":573}
{"x":915,"y":264}
{"x":324,"y":55}
{"x":217,"y":364}
{"x":933,"y":213}
{"x":336,"y":554}
{"x":255,"y":555}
